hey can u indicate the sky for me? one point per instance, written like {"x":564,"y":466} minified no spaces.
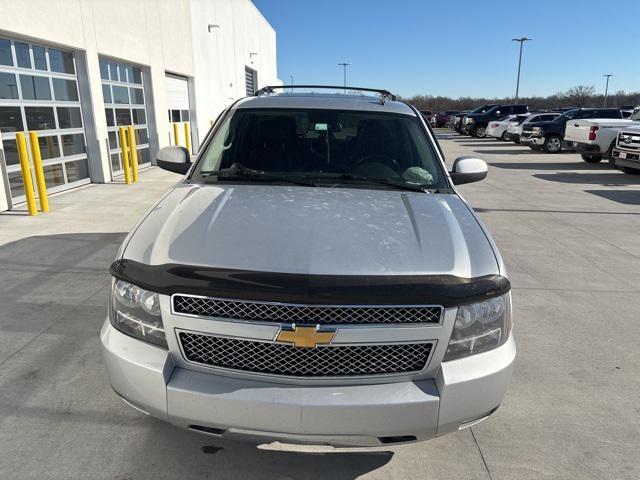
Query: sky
{"x":458,"y":47}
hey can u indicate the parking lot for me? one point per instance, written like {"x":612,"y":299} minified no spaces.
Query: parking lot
{"x":570,"y":235}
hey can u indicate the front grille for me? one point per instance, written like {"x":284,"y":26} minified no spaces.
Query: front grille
{"x":284,"y":359}
{"x":304,"y":314}
{"x":633,"y":145}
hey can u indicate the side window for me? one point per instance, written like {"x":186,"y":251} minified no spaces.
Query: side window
{"x":536,"y":119}
{"x":609,"y":114}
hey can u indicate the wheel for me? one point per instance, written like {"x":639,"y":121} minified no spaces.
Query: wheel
{"x":504,"y":136}
{"x":552,"y":144}
{"x":630,"y":171}
{"x":537,"y":148}
{"x":609,"y":155}
{"x":591,"y":158}
{"x":480,"y":131}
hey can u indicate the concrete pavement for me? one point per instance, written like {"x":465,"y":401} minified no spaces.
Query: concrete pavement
{"x":570,"y":235}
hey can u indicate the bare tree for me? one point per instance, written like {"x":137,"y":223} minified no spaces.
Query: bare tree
{"x":580,"y":95}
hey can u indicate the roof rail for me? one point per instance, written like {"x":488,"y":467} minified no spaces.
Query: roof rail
{"x":384,"y":94}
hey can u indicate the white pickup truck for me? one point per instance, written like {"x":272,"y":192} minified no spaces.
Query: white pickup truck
{"x":626,"y":153}
{"x":595,"y":138}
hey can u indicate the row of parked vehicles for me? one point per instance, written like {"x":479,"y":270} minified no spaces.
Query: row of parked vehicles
{"x":595,"y":133}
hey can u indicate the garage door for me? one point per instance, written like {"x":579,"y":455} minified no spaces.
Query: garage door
{"x":125,"y":104}
{"x":39,"y":92}
{"x":178,"y":103}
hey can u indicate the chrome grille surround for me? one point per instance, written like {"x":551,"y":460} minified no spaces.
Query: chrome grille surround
{"x":305,"y":314}
{"x":272,"y":358}
{"x":633,"y":141}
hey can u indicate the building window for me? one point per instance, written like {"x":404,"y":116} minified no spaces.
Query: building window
{"x":124,"y":101}
{"x":251,"y":80}
{"x":39,"y":92}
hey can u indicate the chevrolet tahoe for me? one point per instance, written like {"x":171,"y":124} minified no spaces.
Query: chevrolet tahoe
{"x":314,"y":277}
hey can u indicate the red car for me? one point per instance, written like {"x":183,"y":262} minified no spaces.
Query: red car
{"x":429,"y":116}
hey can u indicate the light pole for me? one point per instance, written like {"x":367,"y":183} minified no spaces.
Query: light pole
{"x":344,"y":66}
{"x":606,"y":89}
{"x":521,"y":40}
{"x":291,"y":83}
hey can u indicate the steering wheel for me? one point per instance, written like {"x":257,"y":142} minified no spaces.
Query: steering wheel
{"x":379,"y":158}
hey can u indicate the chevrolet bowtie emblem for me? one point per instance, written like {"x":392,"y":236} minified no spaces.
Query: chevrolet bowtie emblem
{"x":305,"y":337}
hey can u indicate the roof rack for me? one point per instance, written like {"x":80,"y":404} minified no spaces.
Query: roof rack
{"x":384,"y":94}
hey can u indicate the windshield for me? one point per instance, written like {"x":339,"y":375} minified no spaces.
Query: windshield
{"x":321,"y":147}
{"x":482,"y":109}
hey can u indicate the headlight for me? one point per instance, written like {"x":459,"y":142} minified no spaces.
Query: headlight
{"x":136,"y":312}
{"x":480,"y":327}
{"x":536,"y":131}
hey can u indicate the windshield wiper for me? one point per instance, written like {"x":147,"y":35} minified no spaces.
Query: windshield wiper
{"x":239,"y":170}
{"x":381,"y":181}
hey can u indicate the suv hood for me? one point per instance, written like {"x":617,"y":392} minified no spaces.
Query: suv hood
{"x":313,"y":230}
{"x":635,"y":128}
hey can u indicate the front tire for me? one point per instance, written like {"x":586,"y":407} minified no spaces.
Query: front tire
{"x":504,"y":136}
{"x":480,"y":131}
{"x":552,"y":144}
{"x":591,"y":158}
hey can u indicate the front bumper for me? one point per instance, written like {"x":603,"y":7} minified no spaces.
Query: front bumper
{"x":627,"y":159}
{"x":538,"y":141}
{"x":461,"y":392}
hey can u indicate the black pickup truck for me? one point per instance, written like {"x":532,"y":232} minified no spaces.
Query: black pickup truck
{"x":460,"y":125}
{"x":549,"y":136}
{"x":476,"y":123}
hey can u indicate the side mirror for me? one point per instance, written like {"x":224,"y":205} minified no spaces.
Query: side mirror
{"x":468,"y":170}
{"x":174,"y":159}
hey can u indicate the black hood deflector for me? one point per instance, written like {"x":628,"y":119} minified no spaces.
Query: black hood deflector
{"x":446,"y":290}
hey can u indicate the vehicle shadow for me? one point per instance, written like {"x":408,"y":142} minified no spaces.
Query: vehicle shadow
{"x":518,"y":151}
{"x":552,"y":166}
{"x":605,"y":179}
{"x":624,"y":197}
{"x":495,"y":144}
{"x":234,"y":460}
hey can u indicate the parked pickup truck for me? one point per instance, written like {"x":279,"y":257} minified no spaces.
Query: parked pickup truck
{"x":549,"y":136}
{"x":461,"y":125}
{"x":475,"y":124}
{"x":626,"y":153}
{"x":595,"y":138}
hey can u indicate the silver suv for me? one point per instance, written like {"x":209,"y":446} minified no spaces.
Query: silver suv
{"x":314,"y":278}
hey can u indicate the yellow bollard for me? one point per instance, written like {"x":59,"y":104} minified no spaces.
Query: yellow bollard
{"x":187,"y":137}
{"x":37,"y":167}
{"x":133,"y":154}
{"x":176,"y":137}
{"x":125,"y":155}
{"x":26,"y":174}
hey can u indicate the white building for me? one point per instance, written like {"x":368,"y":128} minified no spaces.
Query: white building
{"x":76,"y":70}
